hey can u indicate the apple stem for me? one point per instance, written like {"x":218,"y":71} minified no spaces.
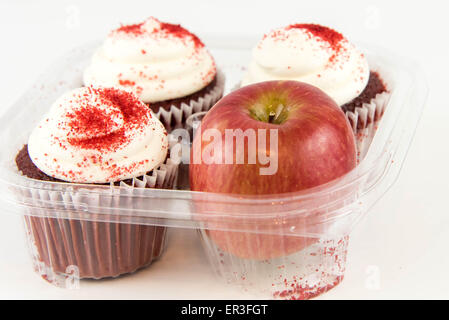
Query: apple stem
{"x":269,"y":113}
{"x":271,"y":117}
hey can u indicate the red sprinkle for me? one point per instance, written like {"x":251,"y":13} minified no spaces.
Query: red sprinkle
{"x":90,"y":121}
{"x":177,"y":31}
{"x":96,"y":124}
{"x":166,"y":29}
{"x":326,"y":34}
{"x":132,"y":28}
{"x":126,"y":82}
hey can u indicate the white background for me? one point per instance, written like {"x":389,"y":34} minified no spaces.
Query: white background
{"x":404,"y":242}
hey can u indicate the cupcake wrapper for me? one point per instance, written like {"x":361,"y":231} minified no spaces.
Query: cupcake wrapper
{"x":364,"y":121}
{"x":83,"y":249}
{"x":175,"y":117}
{"x":64,"y":248}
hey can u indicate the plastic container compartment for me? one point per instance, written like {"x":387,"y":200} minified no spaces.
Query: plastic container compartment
{"x":311,"y":228}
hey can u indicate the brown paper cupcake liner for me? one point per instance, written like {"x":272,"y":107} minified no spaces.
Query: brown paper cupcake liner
{"x":64,"y":248}
{"x":176,"y":116}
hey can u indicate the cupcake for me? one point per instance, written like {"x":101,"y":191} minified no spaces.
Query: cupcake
{"x":165,"y":65}
{"x":324,"y":58}
{"x":101,"y":136}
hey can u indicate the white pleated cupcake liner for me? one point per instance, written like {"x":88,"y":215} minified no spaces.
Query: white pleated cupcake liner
{"x":176,"y":116}
{"x":63,"y":248}
{"x":364,"y":121}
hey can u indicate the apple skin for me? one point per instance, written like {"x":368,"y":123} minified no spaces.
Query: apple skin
{"x":315,"y":145}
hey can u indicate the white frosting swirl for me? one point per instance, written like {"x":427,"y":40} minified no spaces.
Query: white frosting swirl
{"x":299,"y":52}
{"x":156,"y":61}
{"x":98,"y":135}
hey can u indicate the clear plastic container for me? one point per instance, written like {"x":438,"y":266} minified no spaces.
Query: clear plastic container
{"x":311,"y":229}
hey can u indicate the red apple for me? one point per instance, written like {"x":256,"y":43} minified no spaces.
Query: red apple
{"x":315,"y":144}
